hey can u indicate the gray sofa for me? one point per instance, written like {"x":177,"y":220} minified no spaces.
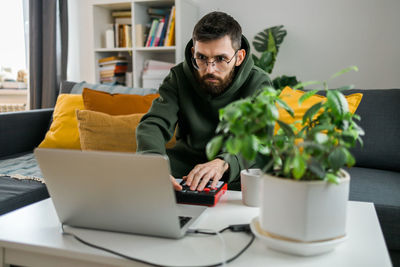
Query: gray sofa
{"x":375,"y":178}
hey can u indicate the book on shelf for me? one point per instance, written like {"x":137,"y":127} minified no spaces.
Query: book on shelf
{"x":170,"y":38}
{"x":162,"y":27}
{"x":123,"y":35}
{"x":121,"y":13}
{"x":157,"y":11}
{"x":112,"y":69}
{"x":151,"y":34}
{"x":123,"y":20}
{"x":154,"y":72}
{"x":139,"y":35}
{"x":112,"y":59}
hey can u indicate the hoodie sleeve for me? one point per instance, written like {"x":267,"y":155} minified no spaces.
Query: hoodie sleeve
{"x":157,"y":126}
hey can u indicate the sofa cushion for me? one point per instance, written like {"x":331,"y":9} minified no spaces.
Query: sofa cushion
{"x":291,"y":97}
{"x":112,"y":89}
{"x":63,"y":132}
{"x":382,"y":188}
{"x":100,"y":131}
{"x":116,"y":104}
{"x":16,"y":193}
{"x":379,"y":113}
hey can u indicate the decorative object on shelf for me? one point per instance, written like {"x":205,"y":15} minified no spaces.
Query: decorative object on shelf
{"x":305,"y":190}
{"x":267,"y":43}
{"x":110,"y":38}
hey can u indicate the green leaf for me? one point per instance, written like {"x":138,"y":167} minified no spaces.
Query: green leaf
{"x":249,"y":147}
{"x":307,"y":95}
{"x":343,"y":71}
{"x":332,"y":178}
{"x":337,"y":159}
{"x":299,"y":166}
{"x":321,"y":138}
{"x":287,"y":165}
{"x":310,"y":113}
{"x":316,"y":168}
{"x":286,"y":128}
{"x":285,"y":106}
{"x":232,"y":113}
{"x":260,"y":42}
{"x":344,"y":88}
{"x":350,"y":160}
{"x":305,"y":84}
{"x":283,"y":81}
{"x":266,"y":61}
{"x":233,"y":145}
{"x":337,"y":102}
{"x":214,"y":146}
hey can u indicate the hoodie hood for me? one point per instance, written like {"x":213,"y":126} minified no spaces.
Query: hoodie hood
{"x":241,"y":73}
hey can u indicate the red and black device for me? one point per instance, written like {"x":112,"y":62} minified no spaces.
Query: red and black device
{"x":208,"y":197}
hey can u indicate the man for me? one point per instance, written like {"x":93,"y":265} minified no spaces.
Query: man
{"x":217,"y":70}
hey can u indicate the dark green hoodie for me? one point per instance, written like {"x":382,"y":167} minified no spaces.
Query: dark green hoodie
{"x":182,"y":101}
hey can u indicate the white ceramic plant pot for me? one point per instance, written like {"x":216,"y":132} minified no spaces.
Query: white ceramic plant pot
{"x":307,"y":211}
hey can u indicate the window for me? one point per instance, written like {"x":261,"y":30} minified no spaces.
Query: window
{"x":13,"y":55}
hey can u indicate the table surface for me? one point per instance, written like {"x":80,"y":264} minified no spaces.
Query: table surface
{"x":32,"y":235}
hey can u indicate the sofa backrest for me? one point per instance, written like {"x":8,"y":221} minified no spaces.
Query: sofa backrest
{"x":380,"y":119}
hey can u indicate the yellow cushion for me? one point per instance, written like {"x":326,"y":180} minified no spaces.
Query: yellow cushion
{"x":63,"y":132}
{"x":100,"y":131}
{"x":291,"y":97}
{"x":116,"y":104}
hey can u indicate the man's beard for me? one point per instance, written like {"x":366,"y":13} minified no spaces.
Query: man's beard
{"x":215,"y":89}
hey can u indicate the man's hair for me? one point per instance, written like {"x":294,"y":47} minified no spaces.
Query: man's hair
{"x":216,"y":25}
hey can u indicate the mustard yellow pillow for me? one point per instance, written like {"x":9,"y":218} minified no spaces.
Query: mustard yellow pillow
{"x":63,"y":132}
{"x":291,"y":97}
{"x":117,"y":104}
{"x":100,"y":131}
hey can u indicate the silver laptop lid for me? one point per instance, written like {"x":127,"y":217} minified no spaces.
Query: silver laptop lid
{"x":122,"y":192}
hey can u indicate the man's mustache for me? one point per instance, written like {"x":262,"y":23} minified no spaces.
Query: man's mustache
{"x":210,"y":76}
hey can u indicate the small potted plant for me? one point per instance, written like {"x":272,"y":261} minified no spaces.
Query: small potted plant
{"x":305,"y":189}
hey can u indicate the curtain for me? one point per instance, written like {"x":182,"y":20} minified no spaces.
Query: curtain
{"x":48,"y":50}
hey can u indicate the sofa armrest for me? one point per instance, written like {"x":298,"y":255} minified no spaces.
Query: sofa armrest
{"x":22,"y":131}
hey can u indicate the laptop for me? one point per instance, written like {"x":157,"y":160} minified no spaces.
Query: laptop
{"x":121,"y":192}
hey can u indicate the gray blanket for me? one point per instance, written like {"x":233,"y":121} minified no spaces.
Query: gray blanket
{"x":22,"y":167}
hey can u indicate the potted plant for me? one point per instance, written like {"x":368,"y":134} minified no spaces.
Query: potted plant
{"x":267,"y":44}
{"x":305,"y":189}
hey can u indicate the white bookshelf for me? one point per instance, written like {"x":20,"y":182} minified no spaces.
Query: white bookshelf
{"x":186,"y":16}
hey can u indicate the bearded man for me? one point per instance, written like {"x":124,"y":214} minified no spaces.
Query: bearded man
{"x":217,"y":70}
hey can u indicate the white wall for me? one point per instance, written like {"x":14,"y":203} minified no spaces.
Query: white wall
{"x":323,"y":37}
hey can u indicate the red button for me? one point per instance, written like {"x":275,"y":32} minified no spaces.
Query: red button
{"x":206,"y":189}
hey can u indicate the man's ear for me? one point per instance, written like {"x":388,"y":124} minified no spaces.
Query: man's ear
{"x":192,"y":51}
{"x":241,"y":54}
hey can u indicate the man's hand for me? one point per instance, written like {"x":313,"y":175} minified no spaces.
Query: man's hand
{"x":202,"y":173}
{"x":176,"y":185}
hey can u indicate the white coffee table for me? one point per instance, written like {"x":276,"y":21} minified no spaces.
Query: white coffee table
{"x":31,"y":236}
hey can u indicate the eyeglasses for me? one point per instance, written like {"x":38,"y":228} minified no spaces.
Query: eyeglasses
{"x":220,"y":63}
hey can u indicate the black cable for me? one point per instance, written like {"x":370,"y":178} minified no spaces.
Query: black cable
{"x":233,"y":228}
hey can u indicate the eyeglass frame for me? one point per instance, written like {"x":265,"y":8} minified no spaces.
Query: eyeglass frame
{"x":213,"y":64}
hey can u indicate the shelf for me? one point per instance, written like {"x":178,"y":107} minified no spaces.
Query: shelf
{"x":156,"y":49}
{"x":120,"y":49}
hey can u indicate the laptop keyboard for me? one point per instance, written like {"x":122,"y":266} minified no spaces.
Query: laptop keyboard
{"x":183,"y":220}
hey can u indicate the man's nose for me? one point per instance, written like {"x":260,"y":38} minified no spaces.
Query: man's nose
{"x":210,"y":67}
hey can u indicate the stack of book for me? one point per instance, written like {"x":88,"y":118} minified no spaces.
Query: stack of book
{"x":122,"y":28}
{"x":112,"y":70}
{"x":154,"y":73}
{"x":162,"y":28}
